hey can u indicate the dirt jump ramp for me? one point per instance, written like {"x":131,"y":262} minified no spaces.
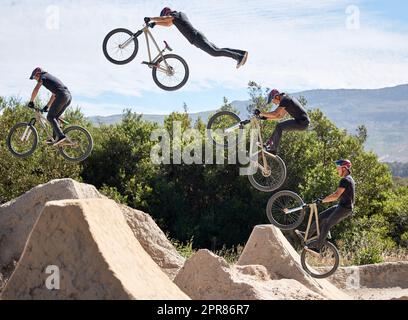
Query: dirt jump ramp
{"x":96,"y":253}
{"x":268,"y":246}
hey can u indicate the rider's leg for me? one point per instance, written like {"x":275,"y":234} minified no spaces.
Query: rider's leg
{"x":289,"y":125}
{"x":60,"y":113}
{"x":323,"y":217}
{"x":204,"y":44}
{"x":336,"y":217}
{"x":55,"y":109}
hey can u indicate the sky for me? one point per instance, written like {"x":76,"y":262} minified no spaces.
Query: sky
{"x":293,"y":45}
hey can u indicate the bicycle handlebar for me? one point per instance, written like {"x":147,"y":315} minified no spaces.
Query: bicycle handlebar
{"x":36,"y":109}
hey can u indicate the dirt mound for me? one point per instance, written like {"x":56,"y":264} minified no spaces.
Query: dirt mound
{"x":154,"y":241}
{"x":384,"y":275}
{"x":97,"y":255}
{"x":208,"y":277}
{"x":267,"y":246}
{"x":18,"y":217}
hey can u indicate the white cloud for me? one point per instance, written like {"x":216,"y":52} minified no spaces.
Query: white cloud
{"x":292,"y":44}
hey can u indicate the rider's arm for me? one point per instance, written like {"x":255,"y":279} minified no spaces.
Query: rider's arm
{"x":163,"y":21}
{"x":335,"y":196}
{"x":35,"y":91}
{"x":279,"y":113}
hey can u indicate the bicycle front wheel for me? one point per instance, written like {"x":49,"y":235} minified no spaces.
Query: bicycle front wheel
{"x":22,"y":140}
{"x":78,"y":146}
{"x":269,"y":177}
{"x":120,"y":46}
{"x":321,"y":265}
{"x":171,"y":72}
{"x":278,"y":208}
{"x":223,"y":129}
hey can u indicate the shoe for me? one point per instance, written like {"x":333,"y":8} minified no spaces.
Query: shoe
{"x":243,"y":60}
{"x":313,"y":250}
{"x":59,"y":141}
{"x":268,"y":148}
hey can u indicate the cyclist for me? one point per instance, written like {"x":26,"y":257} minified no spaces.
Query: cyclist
{"x":286,"y":105}
{"x":168,"y":17}
{"x":59,"y":102}
{"x":332,"y":216}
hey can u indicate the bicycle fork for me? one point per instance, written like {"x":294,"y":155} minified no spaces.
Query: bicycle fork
{"x":26,"y":134}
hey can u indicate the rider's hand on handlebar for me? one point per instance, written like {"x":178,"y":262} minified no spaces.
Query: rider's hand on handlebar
{"x":318,"y":201}
{"x":45,"y":109}
{"x":257,"y":112}
{"x":147,"y":20}
{"x":152,"y":25}
{"x":31,"y":105}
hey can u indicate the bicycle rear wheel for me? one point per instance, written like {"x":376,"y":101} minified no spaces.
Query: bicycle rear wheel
{"x":217,"y":126}
{"x":22,"y":140}
{"x":78,"y":146}
{"x":271,"y":177}
{"x":279,"y":203}
{"x":114,"y":47}
{"x":171,"y":72}
{"x":323,"y":265}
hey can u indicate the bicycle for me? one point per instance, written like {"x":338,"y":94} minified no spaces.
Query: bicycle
{"x":270,"y":170}
{"x":121,"y":46}
{"x":23,"y":138}
{"x":286,"y":211}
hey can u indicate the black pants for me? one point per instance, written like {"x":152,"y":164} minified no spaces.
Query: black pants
{"x":61,"y":103}
{"x":289,"y":125}
{"x":328,"y":219}
{"x":202,"y":42}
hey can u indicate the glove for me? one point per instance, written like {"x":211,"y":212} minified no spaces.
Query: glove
{"x":263,"y":118}
{"x":257,"y":112}
{"x":45,"y":109}
{"x":31,"y":105}
{"x":147,"y":20}
{"x":152,"y":25}
{"x":318,"y":201}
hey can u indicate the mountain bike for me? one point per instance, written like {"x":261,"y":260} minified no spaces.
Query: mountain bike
{"x":23,"y":139}
{"x":270,"y":169}
{"x":170,"y":71}
{"x":286,"y":210}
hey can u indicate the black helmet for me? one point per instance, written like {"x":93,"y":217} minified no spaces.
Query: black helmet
{"x":35,"y":72}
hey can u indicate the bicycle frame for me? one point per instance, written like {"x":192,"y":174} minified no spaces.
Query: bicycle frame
{"x":314,"y":212}
{"x":148,"y":35}
{"x":45,"y":126}
{"x":254,"y":122}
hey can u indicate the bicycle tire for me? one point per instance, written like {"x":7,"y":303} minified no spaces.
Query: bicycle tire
{"x":333,"y":269}
{"x":254,"y":179}
{"x":185,"y":78}
{"x":34,"y":144}
{"x":234,"y":117}
{"x":273,"y":214}
{"x":89,"y":148}
{"x":105,"y":49}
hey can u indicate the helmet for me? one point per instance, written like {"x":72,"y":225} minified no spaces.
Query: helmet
{"x":165,"y":12}
{"x":344,"y":164}
{"x":272,"y":95}
{"x":35,"y":72}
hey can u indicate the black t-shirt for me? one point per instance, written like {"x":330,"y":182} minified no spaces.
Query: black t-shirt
{"x":293,"y":107}
{"x":184,"y":25}
{"x":347,"y":199}
{"x":53,"y":84}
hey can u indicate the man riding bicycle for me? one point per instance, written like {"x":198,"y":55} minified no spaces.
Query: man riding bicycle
{"x":334,"y":215}
{"x":286,"y":105}
{"x":169,"y":17}
{"x":59,"y":102}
